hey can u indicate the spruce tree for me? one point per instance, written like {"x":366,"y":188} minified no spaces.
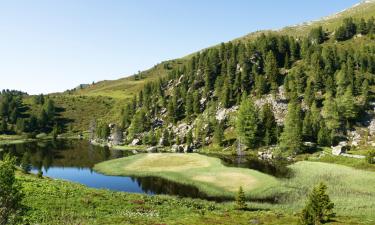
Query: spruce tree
{"x":271,"y":71}
{"x":189,"y":109}
{"x":241,"y":200}
{"x":324,"y":135}
{"x":319,"y":208}
{"x":196,"y":103}
{"x":347,"y":106}
{"x":330,"y":113}
{"x":218,"y":133}
{"x":247,"y":123}
{"x":291,"y":138}
{"x":269,"y":125}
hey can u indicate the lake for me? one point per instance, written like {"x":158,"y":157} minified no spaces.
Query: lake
{"x":73,"y":160}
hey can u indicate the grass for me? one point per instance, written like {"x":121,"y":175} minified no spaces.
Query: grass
{"x":326,"y":156}
{"x":206,"y":173}
{"x":13,"y":139}
{"x":61,"y":202}
{"x":352,"y":190}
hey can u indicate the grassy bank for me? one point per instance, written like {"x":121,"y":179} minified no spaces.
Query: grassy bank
{"x":206,"y":173}
{"x":60,"y":202}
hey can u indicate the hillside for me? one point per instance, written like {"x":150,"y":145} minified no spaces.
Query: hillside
{"x":105,"y":101}
{"x":125,"y":87}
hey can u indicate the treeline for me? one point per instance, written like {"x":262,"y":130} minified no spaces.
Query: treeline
{"x":16,"y":118}
{"x":326,"y":85}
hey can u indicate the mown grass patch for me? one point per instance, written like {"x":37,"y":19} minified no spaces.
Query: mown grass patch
{"x":206,"y":173}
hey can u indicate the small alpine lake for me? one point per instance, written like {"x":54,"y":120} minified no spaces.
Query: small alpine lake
{"x":74,"y":160}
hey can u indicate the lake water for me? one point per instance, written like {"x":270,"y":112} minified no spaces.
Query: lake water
{"x":73,"y":160}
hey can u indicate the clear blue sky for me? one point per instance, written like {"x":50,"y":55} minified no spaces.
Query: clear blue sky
{"x":49,"y":46}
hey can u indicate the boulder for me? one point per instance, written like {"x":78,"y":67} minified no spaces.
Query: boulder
{"x":152,"y":149}
{"x":266,"y":155}
{"x":340,"y":148}
{"x":187,"y":148}
{"x":177,"y":148}
{"x":135,"y":141}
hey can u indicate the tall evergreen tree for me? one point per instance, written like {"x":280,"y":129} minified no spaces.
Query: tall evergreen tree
{"x":291,"y":138}
{"x":269,"y":125}
{"x":247,"y":123}
{"x":271,"y":71}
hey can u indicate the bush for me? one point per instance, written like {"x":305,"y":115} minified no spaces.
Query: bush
{"x":319,"y":208}
{"x":370,"y":157}
{"x":10,"y":193}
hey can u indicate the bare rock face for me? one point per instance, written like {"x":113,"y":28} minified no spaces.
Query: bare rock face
{"x":278,"y":103}
{"x":340,"y":148}
{"x":223,"y":113}
{"x":182,"y":129}
{"x":355,"y":138}
{"x":371,"y":127}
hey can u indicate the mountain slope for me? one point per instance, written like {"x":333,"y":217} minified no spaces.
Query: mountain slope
{"x":122,"y":90}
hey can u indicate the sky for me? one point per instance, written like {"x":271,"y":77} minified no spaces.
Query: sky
{"x":54,"y":45}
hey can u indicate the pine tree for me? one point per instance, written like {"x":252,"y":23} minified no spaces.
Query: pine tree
{"x":291,"y":138}
{"x":307,"y":127}
{"x":347,"y":106}
{"x":218,"y":133}
{"x":324,"y":135}
{"x":269,"y":125}
{"x":241,"y":200}
{"x":330,"y":113}
{"x":189,"y":109}
{"x":317,"y":35}
{"x":189,"y":138}
{"x":319,"y":208}
{"x":271,"y":71}
{"x":247,"y":123}
{"x":196,"y":103}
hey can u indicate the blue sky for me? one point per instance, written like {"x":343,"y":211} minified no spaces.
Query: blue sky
{"x":54,"y":45}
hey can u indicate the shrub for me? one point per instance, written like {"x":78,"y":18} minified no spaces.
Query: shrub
{"x":10,"y":193}
{"x":370,"y":157}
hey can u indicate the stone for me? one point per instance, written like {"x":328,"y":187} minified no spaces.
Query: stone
{"x":135,"y":141}
{"x":187,"y":149}
{"x":340,"y":148}
{"x":177,"y":148}
{"x":152,"y":149}
{"x":265,"y":155}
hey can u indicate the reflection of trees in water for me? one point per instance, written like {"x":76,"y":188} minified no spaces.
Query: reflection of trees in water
{"x":156,"y":185}
{"x":277,"y":168}
{"x":62,"y":153}
{"x":162,"y":186}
